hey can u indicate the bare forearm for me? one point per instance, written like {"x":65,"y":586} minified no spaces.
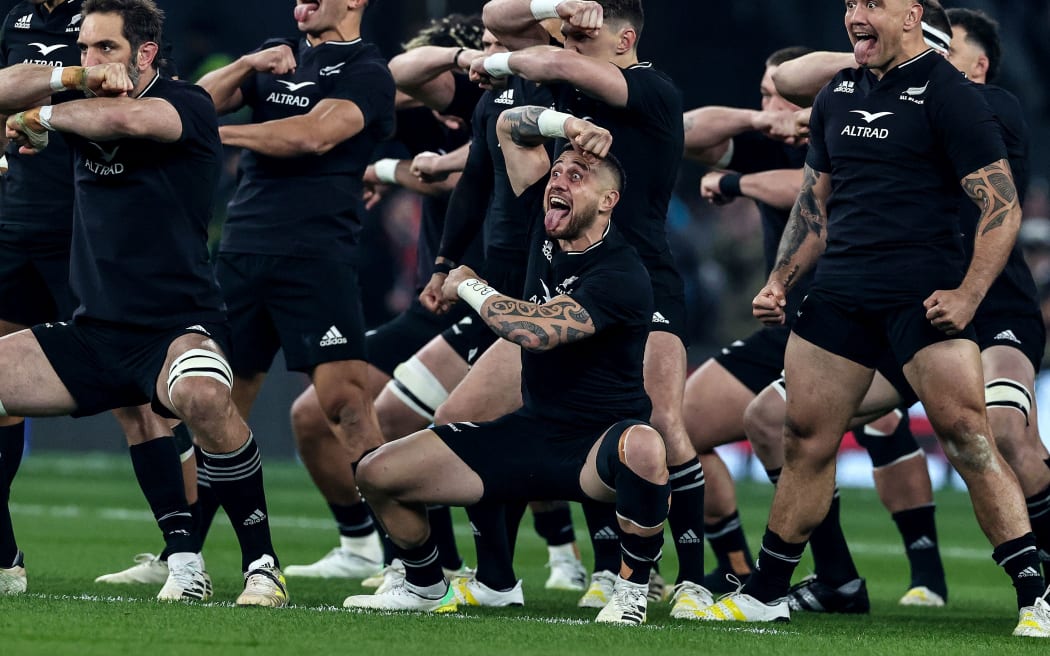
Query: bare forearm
{"x":776,"y":188}
{"x":799,"y":80}
{"x":709,"y":129}
{"x":115,"y":118}
{"x":287,"y":137}
{"x":23,"y":86}
{"x":805,"y":235}
{"x":992,"y":188}
{"x":405,"y":178}
{"x":224,"y":84}
{"x":513,"y":23}
{"x":421,"y":65}
{"x":537,"y":327}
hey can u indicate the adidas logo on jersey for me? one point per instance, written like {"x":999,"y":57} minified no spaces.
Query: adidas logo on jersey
{"x":24,"y":23}
{"x":659,"y":318}
{"x":1008,"y":336}
{"x":605,"y":533}
{"x":1028,"y":572}
{"x":505,"y":98}
{"x":548,"y":250}
{"x":254,"y":518}
{"x":333,"y":337}
{"x":922,"y":543}
{"x":689,"y":537}
{"x":844,"y":87}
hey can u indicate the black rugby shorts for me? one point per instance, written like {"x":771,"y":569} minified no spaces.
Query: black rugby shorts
{"x":34,"y":275}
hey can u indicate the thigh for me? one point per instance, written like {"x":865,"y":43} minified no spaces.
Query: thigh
{"x":421,"y":468}
{"x":316,"y":309}
{"x":948,"y":378}
{"x":254,"y":341}
{"x":491,"y":389}
{"x":30,"y":385}
{"x":823,"y":390}
{"x":214,"y":372}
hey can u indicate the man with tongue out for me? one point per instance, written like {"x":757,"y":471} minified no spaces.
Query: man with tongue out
{"x":890,"y":143}
{"x":580,"y":433}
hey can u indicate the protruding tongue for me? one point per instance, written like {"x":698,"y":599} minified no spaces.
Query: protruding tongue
{"x":302,"y":12}
{"x":863,"y":50}
{"x":554,"y":217}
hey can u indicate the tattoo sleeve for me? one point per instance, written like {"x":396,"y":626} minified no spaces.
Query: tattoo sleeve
{"x":524,"y":125}
{"x":992,"y":188}
{"x":538,"y":327}
{"x":807,"y":225}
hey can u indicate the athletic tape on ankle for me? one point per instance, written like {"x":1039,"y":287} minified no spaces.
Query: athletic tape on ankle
{"x":544,"y":9}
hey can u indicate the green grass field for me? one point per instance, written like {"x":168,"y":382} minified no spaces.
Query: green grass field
{"x":81,"y":516}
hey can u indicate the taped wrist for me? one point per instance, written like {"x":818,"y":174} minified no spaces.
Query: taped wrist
{"x":544,"y":9}
{"x":475,"y":292}
{"x":386,"y":170}
{"x":498,"y":65}
{"x":68,"y":78}
{"x":552,"y":123}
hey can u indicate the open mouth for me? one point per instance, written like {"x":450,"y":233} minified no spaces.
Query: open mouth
{"x":559,"y":210}
{"x":305,"y":10}
{"x":865,"y":44}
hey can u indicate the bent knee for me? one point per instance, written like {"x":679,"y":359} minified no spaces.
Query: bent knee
{"x":763,"y":425}
{"x":199,"y":400}
{"x":642,"y":450}
{"x":348,"y":403}
{"x":308,"y":419}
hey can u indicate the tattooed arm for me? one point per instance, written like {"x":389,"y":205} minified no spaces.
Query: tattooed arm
{"x":992,"y":188}
{"x":803,"y":241}
{"x":521,"y":143}
{"x":532,"y":326}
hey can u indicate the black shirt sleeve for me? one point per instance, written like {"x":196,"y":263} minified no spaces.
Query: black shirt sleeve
{"x":466,"y":207}
{"x":966,"y":127}
{"x":753,"y":152}
{"x":652,"y":94}
{"x":817,"y":158}
{"x":464,"y":99}
{"x":370,"y":86}
{"x":615,"y":296}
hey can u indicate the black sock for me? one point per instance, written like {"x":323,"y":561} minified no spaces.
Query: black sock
{"x":422,"y":564}
{"x":444,"y":536}
{"x":729,"y":545}
{"x":774,"y":474}
{"x":555,"y":525}
{"x":832,"y":561}
{"x":354,"y":520}
{"x":640,"y":555}
{"x":495,"y":563}
{"x":1020,"y":559}
{"x":919,"y":532}
{"x":685,"y":517}
{"x":237,"y":481}
{"x":207,"y":502}
{"x":12,"y":443}
{"x":159,"y":472}
{"x":1039,"y":515}
{"x":605,"y":535}
{"x":776,"y":563}
{"x":513,"y":512}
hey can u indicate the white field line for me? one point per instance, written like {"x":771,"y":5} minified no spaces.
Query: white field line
{"x":320,"y":524}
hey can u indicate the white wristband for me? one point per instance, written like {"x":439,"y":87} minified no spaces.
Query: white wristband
{"x":386,"y":170}
{"x":56,"y":79}
{"x":552,"y":123}
{"x":45,"y":118}
{"x":498,"y":65}
{"x":543,"y":9}
{"x":475,"y":293}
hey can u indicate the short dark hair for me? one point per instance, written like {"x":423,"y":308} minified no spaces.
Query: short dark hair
{"x":143,"y":21}
{"x":609,"y":163}
{"x":626,"y":11}
{"x":982,"y":31}
{"x":787,"y":54}
{"x":452,"y":31}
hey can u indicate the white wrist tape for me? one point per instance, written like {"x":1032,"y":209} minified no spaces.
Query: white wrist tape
{"x":498,"y":65}
{"x":56,"y":79}
{"x":45,"y":117}
{"x":386,"y":170}
{"x":543,"y":9}
{"x":475,"y":293}
{"x":552,"y":123}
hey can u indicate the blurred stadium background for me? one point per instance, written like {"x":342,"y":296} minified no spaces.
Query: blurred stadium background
{"x":715,"y":51}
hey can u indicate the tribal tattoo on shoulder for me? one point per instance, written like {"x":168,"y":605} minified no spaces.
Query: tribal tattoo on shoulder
{"x":808,"y":217}
{"x":525,"y":125}
{"x":992,"y":188}
{"x":538,"y":327}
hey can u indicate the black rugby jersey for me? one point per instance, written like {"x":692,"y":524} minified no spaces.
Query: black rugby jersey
{"x":897,"y":149}
{"x":309,"y":205}
{"x":38,"y":189}
{"x":506,"y":223}
{"x":140,"y":230}
{"x":753,"y":152}
{"x":648,"y":138}
{"x":1014,"y":289}
{"x":596,"y":381}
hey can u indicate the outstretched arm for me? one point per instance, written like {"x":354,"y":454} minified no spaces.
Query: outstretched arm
{"x":26,"y":85}
{"x":331,"y":122}
{"x":532,"y":326}
{"x":803,"y":241}
{"x":992,"y":188}
{"x":710,"y":130}
{"x":518,"y":23}
{"x":778,"y":188}
{"x":801,"y":79}
{"x":425,"y":73}
{"x":599,"y":79}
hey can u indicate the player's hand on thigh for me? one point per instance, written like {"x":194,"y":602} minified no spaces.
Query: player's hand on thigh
{"x":768,"y":305}
{"x":950,"y":311}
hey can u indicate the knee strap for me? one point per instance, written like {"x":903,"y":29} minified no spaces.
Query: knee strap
{"x":417,"y":388}
{"x":1007,"y":393}
{"x":641,"y":502}
{"x":886,"y":450}
{"x":200,"y":362}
